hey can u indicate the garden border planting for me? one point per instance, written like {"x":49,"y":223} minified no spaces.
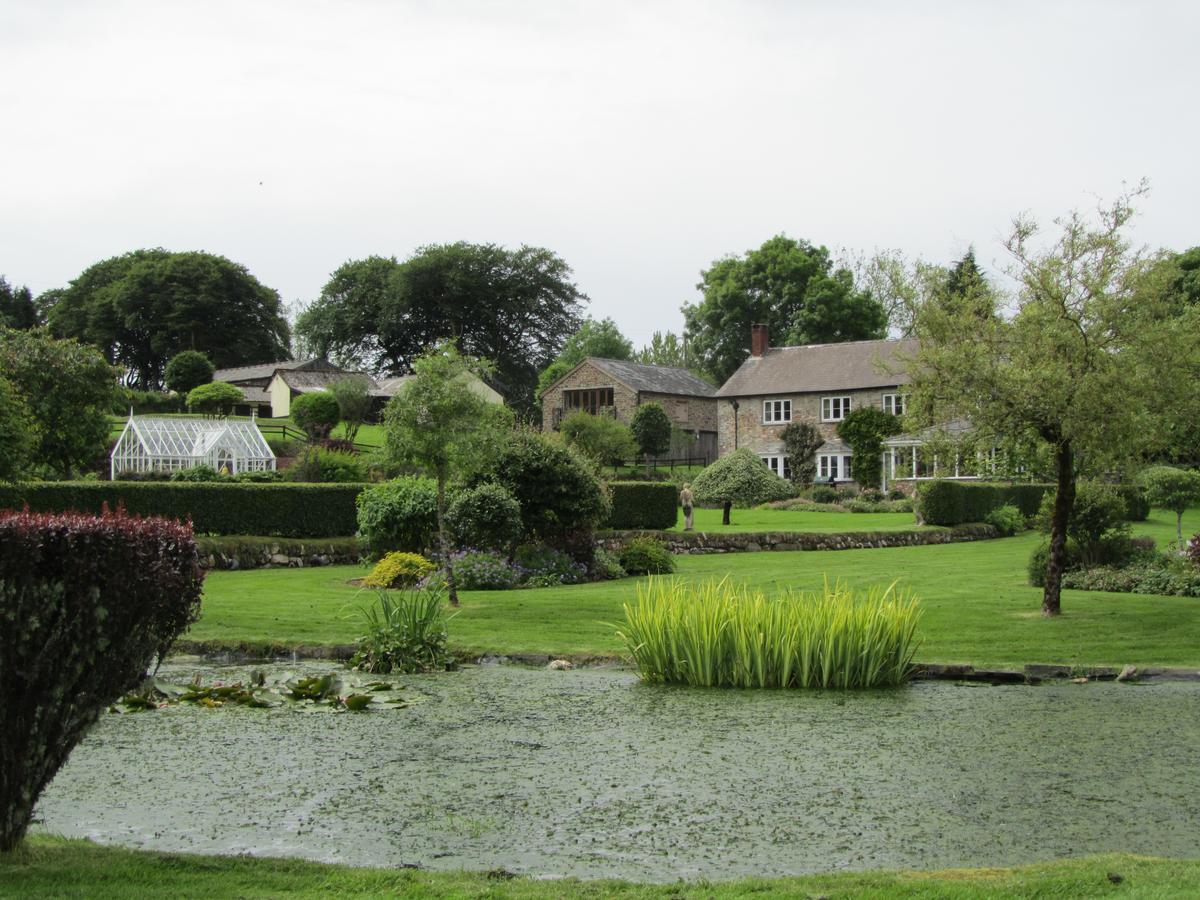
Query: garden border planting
{"x":754,"y":542}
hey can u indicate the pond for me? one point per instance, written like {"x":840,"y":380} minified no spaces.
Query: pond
{"x":591,"y":774}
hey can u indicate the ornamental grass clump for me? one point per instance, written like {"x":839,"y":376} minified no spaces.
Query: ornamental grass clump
{"x":405,"y":633}
{"x":719,"y":634}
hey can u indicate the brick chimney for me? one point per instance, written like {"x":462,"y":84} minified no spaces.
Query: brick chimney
{"x":760,"y":341}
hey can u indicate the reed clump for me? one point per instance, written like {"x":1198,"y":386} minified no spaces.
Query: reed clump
{"x":719,"y":634}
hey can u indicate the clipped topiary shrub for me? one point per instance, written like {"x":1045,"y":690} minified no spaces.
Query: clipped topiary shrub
{"x":399,"y":570}
{"x":739,"y":478}
{"x":486,"y":516}
{"x":646,"y":556}
{"x":316,"y":414}
{"x":86,"y":604}
{"x":643,"y":504}
{"x":400,"y":514}
{"x":216,"y":397}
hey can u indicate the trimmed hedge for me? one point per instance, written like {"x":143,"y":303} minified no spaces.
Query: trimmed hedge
{"x":643,"y":504}
{"x":282,"y":510}
{"x":943,"y":502}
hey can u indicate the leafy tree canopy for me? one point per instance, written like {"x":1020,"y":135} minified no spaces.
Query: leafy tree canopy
{"x":142,"y":308}
{"x":68,"y":389}
{"x":215,"y":397}
{"x":1173,"y":489}
{"x":513,"y":306}
{"x":600,"y":438}
{"x":439,"y":424}
{"x":354,"y":400}
{"x":601,"y":339}
{"x":791,"y":286}
{"x":1094,"y":357}
{"x":651,"y":429}
{"x":17,"y":309}
{"x":188,"y":369}
{"x":17,"y":433}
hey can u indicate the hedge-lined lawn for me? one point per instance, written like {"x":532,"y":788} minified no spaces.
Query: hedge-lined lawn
{"x":53,"y":867}
{"x":977,"y":605}
{"x":743,"y":520}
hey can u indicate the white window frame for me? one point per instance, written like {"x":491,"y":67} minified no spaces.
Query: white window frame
{"x":776,"y":412}
{"x":778,"y":463}
{"x":844,"y":405}
{"x":895,"y":400}
{"x":840,"y":467}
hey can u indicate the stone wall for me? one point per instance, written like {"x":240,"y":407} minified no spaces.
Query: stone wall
{"x":754,"y":542}
{"x":231,"y":553}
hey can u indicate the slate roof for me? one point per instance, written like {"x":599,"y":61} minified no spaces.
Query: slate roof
{"x":655,"y":379}
{"x":261,"y":370}
{"x":852,"y":365}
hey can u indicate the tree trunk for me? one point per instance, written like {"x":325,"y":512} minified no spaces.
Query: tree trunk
{"x":1179,"y":530}
{"x":442,"y":542}
{"x":1064,"y":500}
{"x":646,"y":459}
{"x":725,"y":512}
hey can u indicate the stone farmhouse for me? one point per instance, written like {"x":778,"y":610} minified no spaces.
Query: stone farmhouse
{"x":616,"y":388}
{"x":817,"y":383}
{"x":270,"y":388}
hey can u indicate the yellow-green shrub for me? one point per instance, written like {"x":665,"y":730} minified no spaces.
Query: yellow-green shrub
{"x":724,"y":635}
{"x":399,"y":570}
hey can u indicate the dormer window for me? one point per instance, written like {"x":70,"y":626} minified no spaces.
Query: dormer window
{"x":777,"y":411}
{"x":834,"y":409}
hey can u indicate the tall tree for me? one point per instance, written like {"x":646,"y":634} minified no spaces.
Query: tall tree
{"x":601,"y":339}
{"x":17,"y":308}
{"x":664,"y":349}
{"x":68,"y":389}
{"x":516,"y":307}
{"x":791,"y":286}
{"x":142,"y":308}
{"x":1087,"y":363}
{"x":439,"y":424}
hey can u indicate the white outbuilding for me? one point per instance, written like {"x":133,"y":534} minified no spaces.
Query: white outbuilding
{"x":171,"y":443}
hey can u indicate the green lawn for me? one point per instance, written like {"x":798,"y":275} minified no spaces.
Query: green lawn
{"x":53,"y":867}
{"x":977,"y":606}
{"x":742,"y":520}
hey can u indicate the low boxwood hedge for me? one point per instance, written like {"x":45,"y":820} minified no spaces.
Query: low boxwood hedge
{"x":643,"y":504}
{"x":283,"y":510}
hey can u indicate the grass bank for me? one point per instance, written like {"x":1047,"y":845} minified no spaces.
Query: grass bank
{"x":53,"y":867}
{"x":977,"y":606}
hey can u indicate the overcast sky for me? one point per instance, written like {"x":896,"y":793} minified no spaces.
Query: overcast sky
{"x":640,"y":141}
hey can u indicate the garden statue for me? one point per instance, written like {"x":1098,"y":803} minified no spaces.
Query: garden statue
{"x":686,"y":501}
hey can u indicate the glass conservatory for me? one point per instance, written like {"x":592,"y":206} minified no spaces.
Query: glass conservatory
{"x":168,"y":444}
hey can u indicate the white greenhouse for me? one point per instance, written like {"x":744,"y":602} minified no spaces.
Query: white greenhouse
{"x":162,"y":444}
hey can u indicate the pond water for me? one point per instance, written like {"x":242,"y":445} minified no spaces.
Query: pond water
{"x":589,"y":773}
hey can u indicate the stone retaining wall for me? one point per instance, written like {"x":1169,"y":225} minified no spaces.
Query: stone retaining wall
{"x":217,"y":553}
{"x":754,"y":542}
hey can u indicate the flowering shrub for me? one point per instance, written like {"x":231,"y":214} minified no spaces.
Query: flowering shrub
{"x":549,"y":565}
{"x":399,"y":570}
{"x":1193,"y":549}
{"x":481,"y":570}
